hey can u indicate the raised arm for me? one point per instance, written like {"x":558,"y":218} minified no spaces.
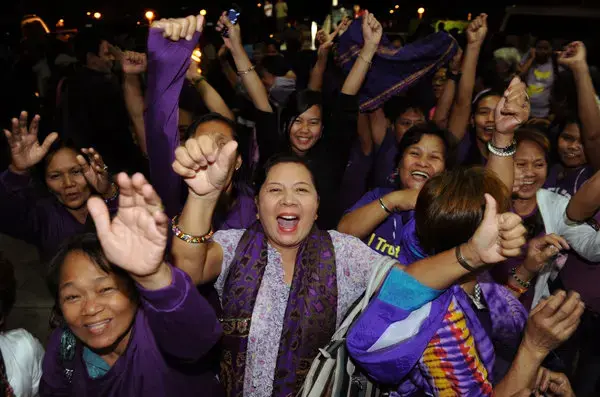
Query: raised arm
{"x":441,"y":116}
{"x":586,"y":202}
{"x":205,"y":167}
{"x":459,"y":117}
{"x":372,"y":32}
{"x":245,"y":69}
{"x":134,"y":64}
{"x":170,"y":46}
{"x":211,"y":98}
{"x":361,"y":222}
{"x":325,"y":40}
{"x":183,"y":323}
{"x":512,"y":110}
{"x":574,"y":57}
{"x":228,"y":71}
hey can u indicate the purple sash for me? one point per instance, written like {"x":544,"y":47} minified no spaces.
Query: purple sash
{"x":310,"y":316}
{"x":394,"y":70}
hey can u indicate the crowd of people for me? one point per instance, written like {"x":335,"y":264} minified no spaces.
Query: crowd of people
{"x":207,"y":225}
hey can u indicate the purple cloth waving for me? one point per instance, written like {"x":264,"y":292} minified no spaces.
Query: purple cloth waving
{"x":393,"y":71}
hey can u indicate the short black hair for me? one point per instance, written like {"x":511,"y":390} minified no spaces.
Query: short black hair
{"x":416,"y":133}
{"x":283,"y":158}
{"x":88,"y":41}
{"x":275,"y":65}
{"x":212,"y":116}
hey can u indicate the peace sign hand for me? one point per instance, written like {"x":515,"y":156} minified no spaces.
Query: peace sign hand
{"x":25,"y":150}
{"x":205,"y":165}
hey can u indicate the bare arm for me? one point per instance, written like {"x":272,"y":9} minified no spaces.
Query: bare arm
{"x":252,"y":83}
{"x":134,"y":101}
{"x":228,"y":71}
{"x":586,"y":202}
{"x":213,"y":101}
{"x":441,"y":117}
{"x":459,"y":117}
{"x":524,"y":68}
{"x":379,"y":124}
{"x":575,"y":58}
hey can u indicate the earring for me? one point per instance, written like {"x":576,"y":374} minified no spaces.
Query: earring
{"x":257,"y":217}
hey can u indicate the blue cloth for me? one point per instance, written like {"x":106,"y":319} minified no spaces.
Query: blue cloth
{"x":95,"y":365}
{"x":414,"y":294}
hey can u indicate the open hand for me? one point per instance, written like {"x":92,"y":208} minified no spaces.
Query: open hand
{"x":541,"y":249}
{"x":477,"y":30}
{"x":136,"y":238}
{"x":499,"y":236}
{"x":25,"y":150}
{"x":95,"y":171}
{"x":205,"y":165}
{"x":180,"y":28}
{"x":514,"y":107}
{"x":134,"y":62}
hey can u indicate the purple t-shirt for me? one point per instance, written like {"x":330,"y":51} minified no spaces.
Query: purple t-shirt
{"x":384,"y":171}
{"x":385,"y":239}
{"x":173,"y":330}
{"x":578,"y":273}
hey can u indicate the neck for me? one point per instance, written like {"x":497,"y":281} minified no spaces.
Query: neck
{"x":80,"y":214}
{"x":524,"y":206}
{"x":482,"y":146}
{"x":468,"y":283}
{"x":298,"y":152}
{"x":112,"y":353}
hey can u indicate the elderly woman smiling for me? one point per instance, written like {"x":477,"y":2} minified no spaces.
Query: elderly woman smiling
{"x":284,"y":284}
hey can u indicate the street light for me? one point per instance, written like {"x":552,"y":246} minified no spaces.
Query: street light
{"x":334,"y":3}
{"x":259,"y":5}
{"x":88,"y":13}
{"x":60,"y":23}
{"x":97,"y":15}
{"x":421,"y":11}
{"x":203,"y":12}
{"x":396,"y":6}
{"x":391,"y":11}
{"x":149,"y":16}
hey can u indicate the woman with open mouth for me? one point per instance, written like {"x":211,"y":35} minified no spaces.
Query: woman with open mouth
{"x":284,"y":284}
{"x":133,"y":325}
{"x":379,"y":216}
{"x":71,"y":177}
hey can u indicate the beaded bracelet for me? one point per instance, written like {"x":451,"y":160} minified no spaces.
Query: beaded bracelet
{"x":115,"y":189}
{"x":502,"y":151}
{"x":516,"y":289}
{"x":188,"y":238}
{"x":522,"y":283}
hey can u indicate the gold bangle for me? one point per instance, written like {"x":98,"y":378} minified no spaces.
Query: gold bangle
{"x":188,"y":238}
{"x":365,"y":60}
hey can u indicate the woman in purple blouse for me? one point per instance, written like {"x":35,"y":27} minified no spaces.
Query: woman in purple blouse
{"x":69,"y":177}
{"x":133,"y":324}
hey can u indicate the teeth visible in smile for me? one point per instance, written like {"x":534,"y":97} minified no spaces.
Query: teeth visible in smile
{"x":528,"y":182}
{"x":289,"y":217}
{"x":97,"y":326}
{"x":421,"y":174}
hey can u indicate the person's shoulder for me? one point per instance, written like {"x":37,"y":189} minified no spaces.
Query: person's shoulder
{"x":20,"y":337}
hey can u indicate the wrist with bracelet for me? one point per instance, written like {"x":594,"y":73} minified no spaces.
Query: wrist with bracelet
{"x":242,"y":73}
{"x":114,"y":188}
{"x":507,"y":151}
{"x":462,"y":261}
{"x":188,"y":238}
{"x":385,"y":208}
{"x":524,"y":284}
{"x":453,"y":76}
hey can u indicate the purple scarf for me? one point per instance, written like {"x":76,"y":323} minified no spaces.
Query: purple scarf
{"x":394,"y":70}
{"x":310,"y":316}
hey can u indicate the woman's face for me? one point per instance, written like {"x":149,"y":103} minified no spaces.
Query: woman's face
{"x":439,"y":82}
{"x":96,"y":305}
{"x":222,"y":134}
{"x":570,"y":148}
{"x":306,"y":130}
{"x":406,"y":120}
{"x":287,"y":205}
{"x":64,"y":178}
{"x":485,"y":118}
{"x":531,"y":169}
{"x":422,"y":161}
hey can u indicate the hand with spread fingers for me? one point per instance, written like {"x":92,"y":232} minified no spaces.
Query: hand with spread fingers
{"x":552,"y":384}
{"x":134,"y":62}
{"x":514,"y":107}
{"x":499,"y":236}
{"x":206,"y":165}
{"x":552,"y":322}
{"x":25,"y":149}
{"x":180,"y":28}
{"x":136,"y":238}
{"x":326,"y":40}
{"x":95,"y":171}
{"x":477,"y":30}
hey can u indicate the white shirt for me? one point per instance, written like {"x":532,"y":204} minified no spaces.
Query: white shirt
{"x":23,"y":355}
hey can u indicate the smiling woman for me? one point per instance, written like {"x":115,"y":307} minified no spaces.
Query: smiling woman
{"x":71,"y":177}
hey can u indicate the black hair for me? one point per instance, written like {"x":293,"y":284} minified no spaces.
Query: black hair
{"x":284,"y":158}
{"x":88,"y":41}
{"x":274,"y":64}
{"x":298,"y":102}
{"x":416,"y":133}
{"x":480,"y":97}
{"x":8,"y":289}
{"x":88,"y":244}
{"x":397,"y":106}
{"x":212,"y":116}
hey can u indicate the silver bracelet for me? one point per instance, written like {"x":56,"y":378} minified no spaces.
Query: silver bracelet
{"x":503,"y":151}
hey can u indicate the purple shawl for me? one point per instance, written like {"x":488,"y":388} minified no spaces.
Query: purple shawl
{"x":310,"y":316}
{"x":401,"y":363}
{"x":394,"y":70}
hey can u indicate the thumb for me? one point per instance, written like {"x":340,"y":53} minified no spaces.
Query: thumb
{"x":491,"y":208}
{"x":50,"y":139}
{"x":200,"y":23}
{"x":228,"y":153}
{"x":99,"y":212}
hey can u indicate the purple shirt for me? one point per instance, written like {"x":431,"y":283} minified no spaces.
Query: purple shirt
{"x":578,"y":274}
{"x":385,"y":169}
{"x":385,"y":239}
{"x":41,"y":221}
{"x":355,"y":181}
{"x":168,"y":62}
{"x":174,"y":322}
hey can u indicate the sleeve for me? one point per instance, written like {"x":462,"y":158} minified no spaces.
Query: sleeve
{"x":267,"y":134}
{"x":583,"y":238}
{"x":20,"y":217}
{"x":228,"y":240}
{"x":183,"y":323}
{"x":168,"y":62}
{"x":33,"y":356}
{"x":54,"y":382}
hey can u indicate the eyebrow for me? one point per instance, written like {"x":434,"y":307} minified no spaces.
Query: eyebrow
{"x":71,"y":284}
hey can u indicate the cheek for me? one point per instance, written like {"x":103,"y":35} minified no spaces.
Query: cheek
{"x":70,"y":312}
{"x":54,"y":185}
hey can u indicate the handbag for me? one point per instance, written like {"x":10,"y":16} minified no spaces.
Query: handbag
{"x":332,"y":372}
